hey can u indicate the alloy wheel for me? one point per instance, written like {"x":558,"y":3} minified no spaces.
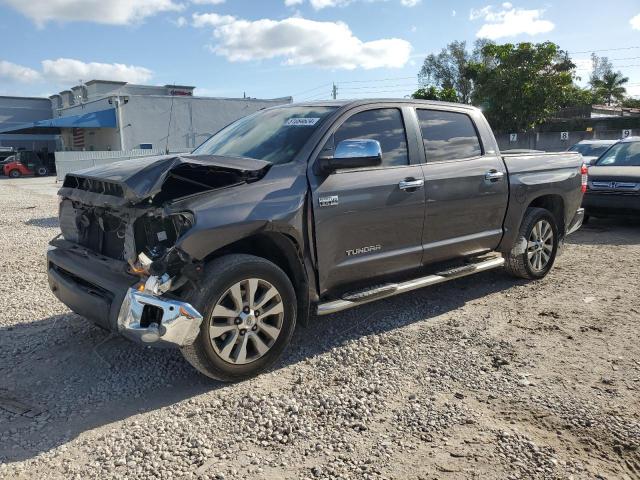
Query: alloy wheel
{"x":246,"y":321}
{"x":540,"y":246}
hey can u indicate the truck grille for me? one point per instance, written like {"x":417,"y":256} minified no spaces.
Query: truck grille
{"x":615,"y":187}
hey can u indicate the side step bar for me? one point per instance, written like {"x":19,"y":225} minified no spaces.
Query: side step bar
{"x":390,"y":290}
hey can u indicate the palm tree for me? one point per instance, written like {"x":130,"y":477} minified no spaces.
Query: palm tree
{"x":610,"y":86}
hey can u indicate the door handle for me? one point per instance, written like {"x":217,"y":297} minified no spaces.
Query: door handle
{"x":494,"y":175}
{"x":411,"y":184}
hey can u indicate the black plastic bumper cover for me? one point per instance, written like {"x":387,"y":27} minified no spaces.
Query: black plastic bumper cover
{"x":611,"y":203}
{"x":88,"y":284}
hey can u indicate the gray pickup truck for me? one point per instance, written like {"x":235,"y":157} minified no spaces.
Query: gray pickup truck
{"x":299,"y":210}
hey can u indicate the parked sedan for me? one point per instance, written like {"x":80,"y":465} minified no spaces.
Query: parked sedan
{"x":614,"y":181}
{"x":591,"y":150}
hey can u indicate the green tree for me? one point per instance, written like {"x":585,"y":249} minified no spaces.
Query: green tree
{"x":448,"y":69}
{"x":521,"y":86}
{"x":631,"y":102}
{"x":434,"y":93}
{"x":611,"y":87}
{"x":599,"y":67}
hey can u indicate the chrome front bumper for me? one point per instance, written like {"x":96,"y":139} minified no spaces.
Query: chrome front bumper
{"x":165,"y":323}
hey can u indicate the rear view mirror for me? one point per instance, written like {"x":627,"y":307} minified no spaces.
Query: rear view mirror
{"x":353,"y":153}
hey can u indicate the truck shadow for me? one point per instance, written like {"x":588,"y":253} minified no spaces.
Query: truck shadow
{"x":608,"y":231}
{"x":45,"y":222}
{"x":81,"y":377}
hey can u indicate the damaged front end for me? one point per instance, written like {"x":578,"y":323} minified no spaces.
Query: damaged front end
{"x":124,"y":216}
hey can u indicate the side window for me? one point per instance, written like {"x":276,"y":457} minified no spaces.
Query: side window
{"x":384,"y":125}
{"x":448,"y":135}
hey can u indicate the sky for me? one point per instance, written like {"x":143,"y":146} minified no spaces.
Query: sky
{"x":275,"y":48}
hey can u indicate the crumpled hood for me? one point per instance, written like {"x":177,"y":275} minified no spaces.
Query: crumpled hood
{"x":140,"y":178}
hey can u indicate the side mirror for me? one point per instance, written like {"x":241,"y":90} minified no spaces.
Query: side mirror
{"x":353,"y":153}
{"x":592,"y":161}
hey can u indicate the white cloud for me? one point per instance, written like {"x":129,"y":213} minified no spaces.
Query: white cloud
{"x":181,"y":22}
{"x":320,"y":4}
{"x":211,"y":19}
{"x":208,"y":2}
{"x":17,"y":73}
{"x":115,"y":12}
{"x":509,"y":21}
{"x":302,"y":42}
{"x":69,"y":70}
{"x":635,"y":22}
{"x":453,"y":13}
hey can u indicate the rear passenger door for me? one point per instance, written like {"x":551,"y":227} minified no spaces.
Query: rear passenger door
{"x":466,"y":190}
{"x":368,"y":221}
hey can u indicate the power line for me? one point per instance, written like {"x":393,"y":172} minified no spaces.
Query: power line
{"x":407,"y":85}
{"x":379,"y":79}
{"x":311,"y":89}
{"x":604,"y":50}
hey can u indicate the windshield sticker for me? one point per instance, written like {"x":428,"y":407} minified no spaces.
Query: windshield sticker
{"x":301,"y":122}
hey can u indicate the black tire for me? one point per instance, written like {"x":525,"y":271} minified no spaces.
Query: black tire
{"x":517,"y":262}
{"x":15,"y":173}
{"x":42,"y":171}
{"x":586,"y":219}
{"x":220,"y":275}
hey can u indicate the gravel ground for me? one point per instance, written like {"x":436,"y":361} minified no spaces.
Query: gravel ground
{"x":484,"y":377}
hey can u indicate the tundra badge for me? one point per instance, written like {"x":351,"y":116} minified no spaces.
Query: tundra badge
{"x":328,"y":201}
{"x":360,"y":251}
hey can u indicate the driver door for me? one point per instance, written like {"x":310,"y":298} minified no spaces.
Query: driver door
{"x":368,"y":221}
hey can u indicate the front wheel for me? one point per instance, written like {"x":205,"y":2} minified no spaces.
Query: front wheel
{"x":15,"y":173}
{"x":536,"y":247}
{"x":42,"y":171}
{"x":248,"y":306}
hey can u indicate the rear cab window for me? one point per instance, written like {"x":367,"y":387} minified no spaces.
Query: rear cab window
{"x":448,"y":135}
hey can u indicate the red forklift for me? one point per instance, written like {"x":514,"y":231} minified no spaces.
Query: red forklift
{"x":30,"y":163}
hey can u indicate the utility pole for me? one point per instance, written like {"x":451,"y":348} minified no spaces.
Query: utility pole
{"x":334,"y":91}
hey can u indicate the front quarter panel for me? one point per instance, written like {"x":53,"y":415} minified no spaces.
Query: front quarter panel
{"x":274,"y":203}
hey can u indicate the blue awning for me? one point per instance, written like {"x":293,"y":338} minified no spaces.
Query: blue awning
{"x":100,"y":119}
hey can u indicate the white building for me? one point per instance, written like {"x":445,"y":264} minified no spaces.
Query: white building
{"x":106,"y":115}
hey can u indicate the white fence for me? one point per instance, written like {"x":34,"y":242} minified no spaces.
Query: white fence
{"x":68,"y":162}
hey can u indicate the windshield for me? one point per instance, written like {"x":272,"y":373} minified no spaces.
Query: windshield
{"x":622,"y":155}
{"x":590,"y":150}
{"x":274,"y":135}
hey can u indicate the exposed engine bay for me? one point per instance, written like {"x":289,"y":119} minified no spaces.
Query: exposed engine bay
{"x":124,"y":211}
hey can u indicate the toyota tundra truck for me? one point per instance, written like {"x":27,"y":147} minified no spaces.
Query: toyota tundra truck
{"x":303,"y":210}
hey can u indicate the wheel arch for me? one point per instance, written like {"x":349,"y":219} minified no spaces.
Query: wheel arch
{"x":554,"y":203}
{"x":283,"y":251}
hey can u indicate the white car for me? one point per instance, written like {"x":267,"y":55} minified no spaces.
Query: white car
{"x":591,"y":150}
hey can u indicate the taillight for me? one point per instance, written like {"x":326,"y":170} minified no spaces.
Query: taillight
{"x":584,"y":171}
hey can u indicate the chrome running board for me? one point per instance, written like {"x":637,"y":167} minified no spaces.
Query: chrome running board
{"x":398,"y":288}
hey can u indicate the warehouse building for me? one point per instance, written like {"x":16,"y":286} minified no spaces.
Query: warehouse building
{"x":17,"y":111}
{"x":107,"y":115}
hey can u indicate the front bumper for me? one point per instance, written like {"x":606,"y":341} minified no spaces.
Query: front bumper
{"x":99,"y":289}
{"x":611,"y":203}
{"x":158,"y":321}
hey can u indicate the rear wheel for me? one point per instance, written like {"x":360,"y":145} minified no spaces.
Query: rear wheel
{"x":537,"y":246}
{"x":42,"y":171}
{"x":249,"y":315}
{"x":15,"y":173}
